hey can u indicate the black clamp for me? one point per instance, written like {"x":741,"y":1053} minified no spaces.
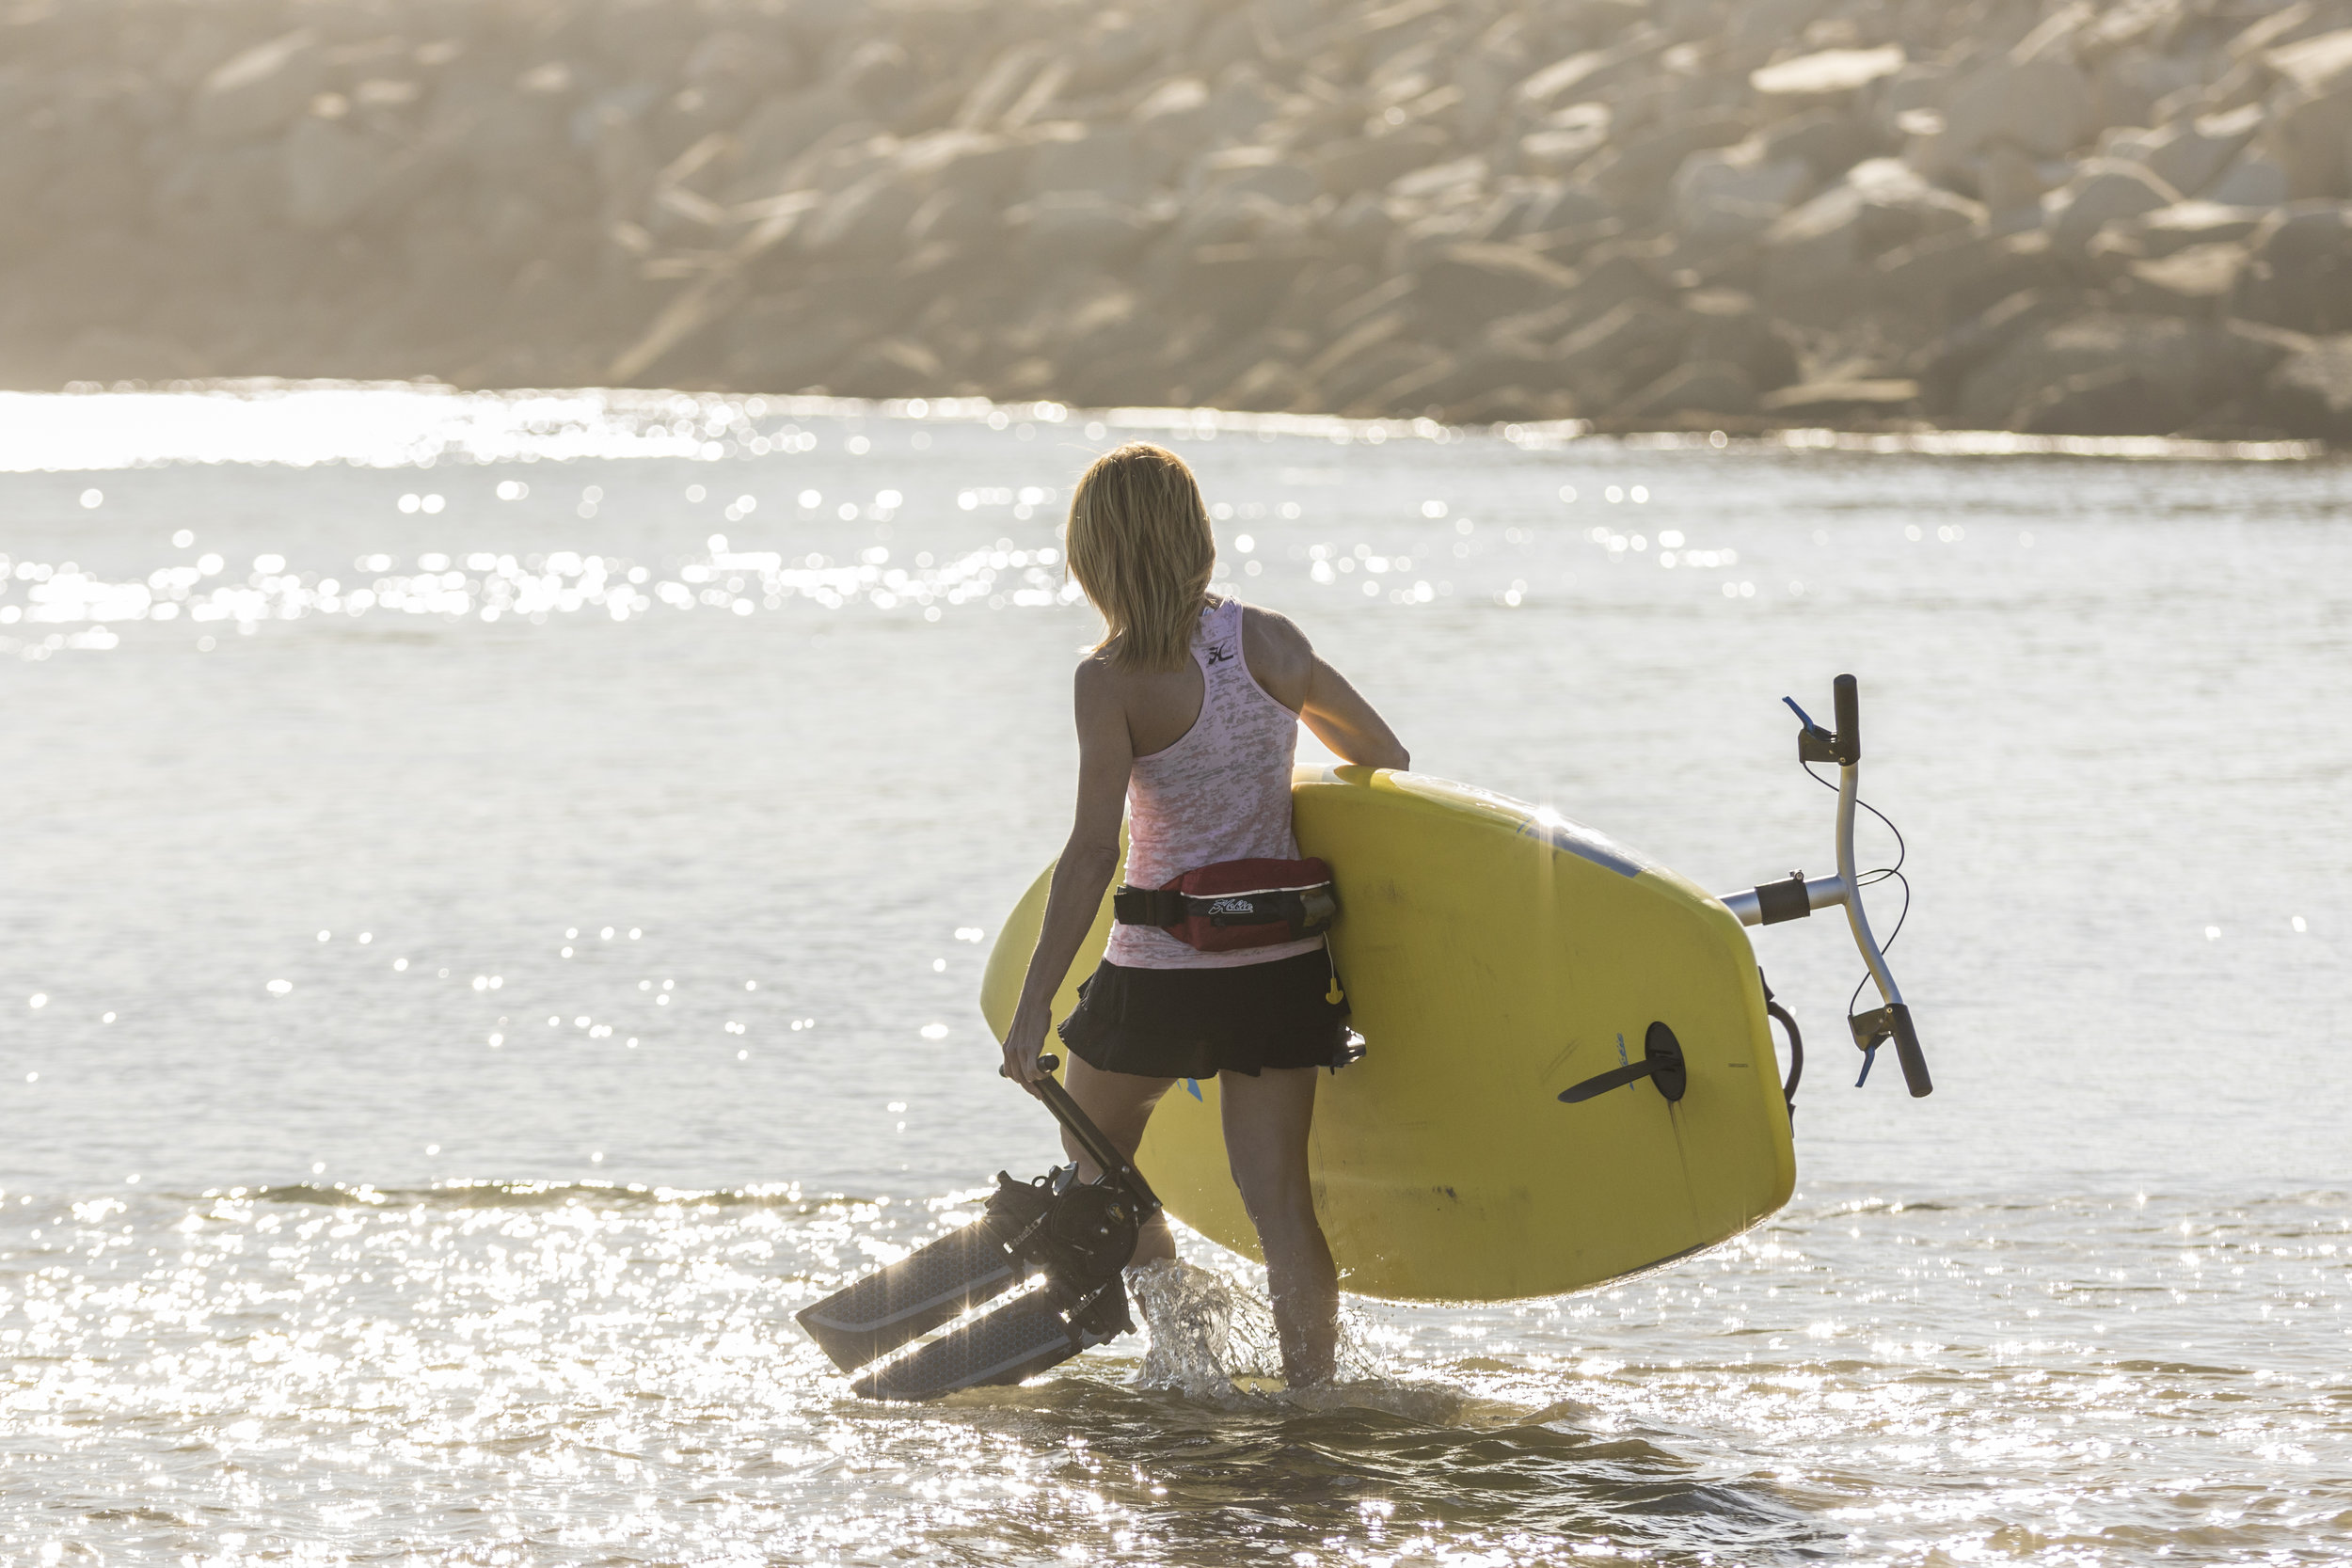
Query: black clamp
{"x":1786,"y":901}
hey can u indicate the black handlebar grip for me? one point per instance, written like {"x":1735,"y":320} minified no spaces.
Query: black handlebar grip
{"x":1848,"y":701}
{"x":1907,"y":1052}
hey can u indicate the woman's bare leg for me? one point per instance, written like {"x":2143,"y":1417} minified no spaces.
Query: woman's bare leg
{"x":1119,"y":1103}
{"x":1266,"y":1121}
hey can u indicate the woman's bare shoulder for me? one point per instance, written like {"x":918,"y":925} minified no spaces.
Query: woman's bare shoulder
{"x":1097,"y":675}
{"x":1280,"y":657}
{"x":1273,"y":630}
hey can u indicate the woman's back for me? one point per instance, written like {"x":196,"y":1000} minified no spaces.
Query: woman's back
{"x":1220,"y":790}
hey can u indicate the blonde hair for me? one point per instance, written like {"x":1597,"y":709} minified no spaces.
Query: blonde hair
{"x":1140,"y":546}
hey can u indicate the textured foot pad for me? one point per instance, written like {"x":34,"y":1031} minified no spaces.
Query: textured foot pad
{"x":1019,"y":1339}
{"x":911,"y":1297}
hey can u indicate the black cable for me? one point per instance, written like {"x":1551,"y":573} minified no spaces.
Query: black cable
{"x":1796,"y":1053}
{"x":1883,"y":946}
{"x":1873,"y":877}
{"x":1903,"y":849}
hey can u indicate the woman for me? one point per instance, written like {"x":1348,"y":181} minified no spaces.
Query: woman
{"x":1188,"y":715}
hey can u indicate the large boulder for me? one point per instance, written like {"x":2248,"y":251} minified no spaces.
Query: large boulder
{"x":1952,"y":275}
{"x":1637,"y":171}
{"x":1360,"y":227}
{"x":519,"y":135}
{"x":1817,"y":252}
{"x":2197,"y":281}
{"x":1355,"y":163}
{"x":2253,"y":181}
{"x":1352,"y":383}
{"x":1466,"y":286}
{"x":1828,"y":74}
{"x":1628,"y":348}
{"x":1106,"y":160}
{"x":956,"y":216}
{"x":1588,"y":72}
{"x":1699,"y":387}
{"x":2300,"y":272}
{"x":1940,"y":366}
{"x":980,"y":163}
{"x":1086,"y":229}
{"x":2202,"y":365}
{"x":1728,"y":328}
{"x":1561,"y":209}
{"x":2128,"y":83}
{"x":1828,"y":141}
{"x":2042,"y":107}
{"x":1238,"y":283}
{"x":334,"y":171}
{"x":888,"y":368}
{"x":258,"y":93}
{"x":2188,"y":155}
{"x":1870,"y":399}
{"x":865,"y":222}
{"x":1258,"y":170}
{"x":2310,"y":392}
{"x":2119,"y":400}
{"x":2103,"y":191}
{"x":1612,"y":276}
{"x":2161,"y":233}
{"x":781,"y":344}
{"x":1728,"y":194}
{"x":1565,"y":141}
{"x":1176,"y":119}
{"x":2309,"y":134}
{"x":787,"y":124}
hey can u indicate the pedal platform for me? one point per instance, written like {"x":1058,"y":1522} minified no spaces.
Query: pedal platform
{"x":1072,"y":1237}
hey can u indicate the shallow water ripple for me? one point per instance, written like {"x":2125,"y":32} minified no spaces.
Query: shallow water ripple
{"x":499,"y":1373}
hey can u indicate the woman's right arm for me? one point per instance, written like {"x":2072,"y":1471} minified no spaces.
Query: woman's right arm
{"x":1289,"y":670}
{"x":1089,"y":861}
{"x":1343,"y":720}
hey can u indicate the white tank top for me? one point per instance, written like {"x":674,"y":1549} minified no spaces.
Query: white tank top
{"x":1220,"y":793}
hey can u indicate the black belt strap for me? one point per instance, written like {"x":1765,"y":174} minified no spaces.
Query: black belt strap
{"x":1148,"y":906}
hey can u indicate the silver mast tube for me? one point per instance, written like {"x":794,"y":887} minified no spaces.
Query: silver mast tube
{"x":1849,"y":786}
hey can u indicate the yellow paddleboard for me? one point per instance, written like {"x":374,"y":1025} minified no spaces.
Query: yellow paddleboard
{"x":1495,"y":954}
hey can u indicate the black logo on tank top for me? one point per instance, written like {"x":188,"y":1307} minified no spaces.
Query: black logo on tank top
{"x":1219,"y":653}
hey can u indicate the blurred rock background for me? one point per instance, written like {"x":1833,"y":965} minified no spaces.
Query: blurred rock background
{"x":2115,"y":217}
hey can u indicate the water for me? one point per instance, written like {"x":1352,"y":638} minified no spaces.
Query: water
{"x":463,"y":1042}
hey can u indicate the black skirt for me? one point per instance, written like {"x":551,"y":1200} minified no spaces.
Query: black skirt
{"x":1198,"y":1022}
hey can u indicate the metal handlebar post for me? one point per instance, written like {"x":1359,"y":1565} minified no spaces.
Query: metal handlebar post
{"x":1894,"y":1017}
{"x":1798,"y":896}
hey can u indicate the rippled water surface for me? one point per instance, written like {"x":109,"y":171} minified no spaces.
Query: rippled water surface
{"x":497,"y":889}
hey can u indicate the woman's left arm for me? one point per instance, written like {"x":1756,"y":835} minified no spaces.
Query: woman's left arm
{"x":1090,"y":858}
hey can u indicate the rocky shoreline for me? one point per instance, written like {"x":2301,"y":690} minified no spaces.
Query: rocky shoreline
{"x":2122,"y":218}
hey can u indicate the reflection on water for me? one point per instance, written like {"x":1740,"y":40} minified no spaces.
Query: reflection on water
{"x":478,"y":1373}
{"x":488,"y":942}
{"x":564,"y":582}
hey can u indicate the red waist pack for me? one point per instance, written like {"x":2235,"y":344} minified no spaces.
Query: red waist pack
{"x":1236,"y":904}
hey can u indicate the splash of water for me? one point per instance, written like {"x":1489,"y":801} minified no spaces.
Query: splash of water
{"x":1205,"y":1333}
{"x":1213,"y":1341}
